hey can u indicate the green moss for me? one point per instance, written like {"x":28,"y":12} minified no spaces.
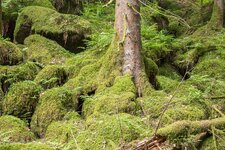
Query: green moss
{"x":13,"y":74}
{"x":13,"y":129}
{"x":169,"y":71}
{"x":167,"y":84}
{"x":110,"y":131}
{"x":53,"y":106}
{"x":10,"y":54}
{"x":21,"y":100}
{"x":11,"y":8}
{"x":51,"y":76}
{"x":118,"y":98}
{"x":210,"y":143}
{"x":68,"y":30}
{"x":62,"y":132}
{"x":45,"y":51}
{"x":27,"y":146}
{"x":213,"y":67}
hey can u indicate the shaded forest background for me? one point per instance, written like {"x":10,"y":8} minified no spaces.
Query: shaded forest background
{"x":62,"y":86}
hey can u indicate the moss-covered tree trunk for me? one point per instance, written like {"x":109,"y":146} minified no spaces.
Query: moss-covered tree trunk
{"x":127,"y":25}
{"x":0,"y":17}
{"x":217,"y":19}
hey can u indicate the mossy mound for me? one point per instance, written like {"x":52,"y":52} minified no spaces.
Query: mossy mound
{"x":13,"y":129}
{"x":11,"y":8}
{"x":214,"y":143}
{"x":68,"y":30}
{"x":45,"y":51}
{"x":181,"y":107}
{"x":116,"y":99}
{"x":110,"y":131}
{"x":21,"y":100}
{"x":53,"y":106}
{"x":13,"y":74}
{"x":62,"y":132}
{"x":10,"y":54}
{"x":51,"y":76}
{"x":27,"y":146}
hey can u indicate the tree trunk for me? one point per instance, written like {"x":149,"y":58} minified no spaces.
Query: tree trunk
{"x":217,"y":19}
{"x":127,"y":25}
{"x":0,"y":17}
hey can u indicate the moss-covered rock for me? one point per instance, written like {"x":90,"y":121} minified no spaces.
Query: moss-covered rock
{"x":21,"y":100}
{"x":118,"y":98}
{"x":27,"y":146}
{"x":62,"y":132}
{"x":13,"y":74}
{"x":68,"y":30}
{"x":110,"y":131}
{"x":51,"y":76}
{"x":53,"y":106}
{"x":11,"y":8}
{"x":13,"y":129}
{"x":45,"y":51}
{"x":10,"y":54}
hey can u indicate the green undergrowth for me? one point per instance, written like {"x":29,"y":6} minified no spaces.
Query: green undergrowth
{"x":10,"y":54}
{"x":109,"y":131}
{"x":53,"y":106}
{"x":51,"y":76}
{"x":11,"y":8}
{"x":27,"y":146}
{"x":13,"y":129}
{"x":45,"y":51}
{"x":21,"y":100}
{"x":12,"y":74}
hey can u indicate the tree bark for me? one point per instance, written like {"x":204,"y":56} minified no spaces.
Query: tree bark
{"x":217,"y":19}
{"x":128,"y":26}
{"x":0,"y":17}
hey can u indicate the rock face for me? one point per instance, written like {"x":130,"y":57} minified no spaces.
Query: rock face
{"x":67,"y":30}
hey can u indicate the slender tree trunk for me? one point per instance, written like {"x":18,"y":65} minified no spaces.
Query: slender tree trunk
{"x":127,"y":25}
{"x":217,"y":19}
{"x":0,"y":17}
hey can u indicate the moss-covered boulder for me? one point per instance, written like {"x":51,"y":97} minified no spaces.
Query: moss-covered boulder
{"x":13,"y":74}
{"x":27,"y":146}
{"x":51,"y":76}
{"x":118,"y":98}
{"x":45,"y":51}
{"x":10,"y":54}
{"x":110,"y":131}
{"x":68,"y":30}
{"x":21,"y":100}
{"x":13,"y":129}
{"x":62,"y":132}
{"x":53,"y":106}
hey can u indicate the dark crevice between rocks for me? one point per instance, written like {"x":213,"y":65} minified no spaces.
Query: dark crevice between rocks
{"x":8,"y":29}
{"x":81,"y":101}
{"x":24,"y":32}
{"x":74,"y":42}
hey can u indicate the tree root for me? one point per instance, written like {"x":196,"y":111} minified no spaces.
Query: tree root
{"x":176,"y":129}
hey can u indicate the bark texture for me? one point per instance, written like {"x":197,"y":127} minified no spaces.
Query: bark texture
{"x":217,"y":19}
{"x":0,"y":17}
{"x":127,"y":25}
